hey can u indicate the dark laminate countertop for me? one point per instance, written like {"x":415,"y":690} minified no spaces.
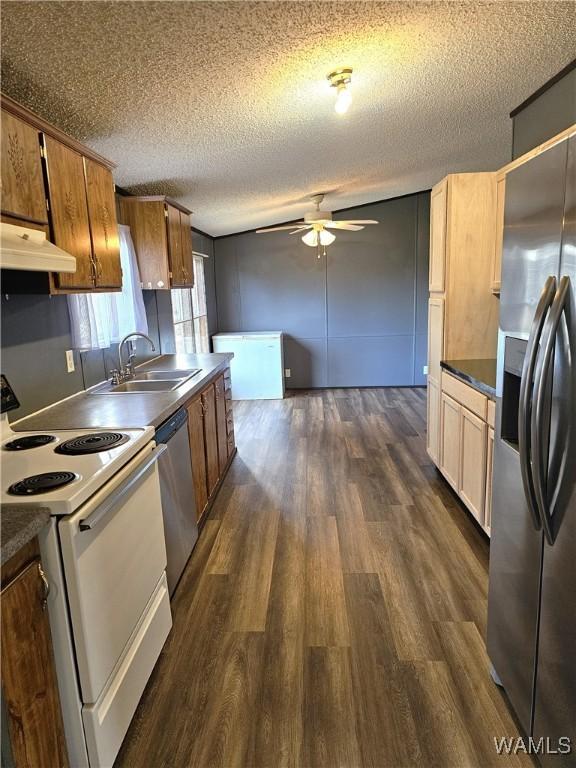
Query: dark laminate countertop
{"x":18,"y":526}
{"x":480,"y":374}
{"x":136,"y":409}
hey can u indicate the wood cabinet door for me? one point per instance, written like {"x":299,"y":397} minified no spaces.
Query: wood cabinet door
{"x":103,"y":224}
{"x":23,"y":193}
{"x":433,"y":424}
{"x":499,"y":235}
{"x":147,"y":222}
{"x":473,"y":441}
{"x":438,"y":219}
{"x":187,"y":256}
{"x":175,"y":246}
{"x":211,"y":438}
{"x":198,"y":454}
{"x":450,"y":440}
{"x":489,"y":468}
{"x":221,"y":423}
{"x":69,"y":212}
{"x":435,"y":336}
{"x":28,"y":674}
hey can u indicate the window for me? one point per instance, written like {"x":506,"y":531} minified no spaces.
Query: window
{"x":189,"y":313}
{"x":98,"y":320}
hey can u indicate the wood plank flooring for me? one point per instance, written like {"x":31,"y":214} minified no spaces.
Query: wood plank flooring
{"x":334,"y":610}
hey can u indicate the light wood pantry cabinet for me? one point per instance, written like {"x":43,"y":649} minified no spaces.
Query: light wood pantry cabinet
{"x":52,"y":182}
{"x":29,"y":686}
{"x":465,"y":454}
{"x":211,"y":432}
{"x":462,"y":309}
{"x":162,"y":235}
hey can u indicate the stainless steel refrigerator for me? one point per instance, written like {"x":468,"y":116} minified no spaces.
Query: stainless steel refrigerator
{"x":532,"y":591}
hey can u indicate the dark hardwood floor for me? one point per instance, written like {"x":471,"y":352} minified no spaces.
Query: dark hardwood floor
{"x":334,"y":610}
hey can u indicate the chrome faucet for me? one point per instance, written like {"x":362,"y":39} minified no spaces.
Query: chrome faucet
{"x":127,"y":371}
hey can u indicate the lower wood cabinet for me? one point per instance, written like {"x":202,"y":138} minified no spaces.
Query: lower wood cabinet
{"x":198,"y":453}
{"x":29,"y":685}
{"x":465,"y":446}
{"x":433,"y":420}
{"x":450,"y":417}
{"x":210,"y":425}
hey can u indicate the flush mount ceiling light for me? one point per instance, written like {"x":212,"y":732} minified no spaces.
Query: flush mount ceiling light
{"x":341,"y":80}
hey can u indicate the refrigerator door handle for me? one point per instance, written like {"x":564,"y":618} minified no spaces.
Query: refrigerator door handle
{"x":543,"y":373}
{"x":525,"y":408}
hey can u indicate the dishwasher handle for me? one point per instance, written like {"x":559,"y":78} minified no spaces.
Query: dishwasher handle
{"x":118,"y":494}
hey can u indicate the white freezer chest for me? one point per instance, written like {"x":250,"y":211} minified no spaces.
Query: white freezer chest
{"x":257,"y":368}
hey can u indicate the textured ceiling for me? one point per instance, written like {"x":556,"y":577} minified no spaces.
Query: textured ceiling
{"x":225,"y":106}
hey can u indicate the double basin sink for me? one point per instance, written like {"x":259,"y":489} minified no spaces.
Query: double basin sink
{"x":148,"y":381}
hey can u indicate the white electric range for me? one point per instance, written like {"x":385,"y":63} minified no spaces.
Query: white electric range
{"x":105,"y":559}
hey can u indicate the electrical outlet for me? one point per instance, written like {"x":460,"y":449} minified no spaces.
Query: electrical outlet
{"x":70,"y":360}
{"x":287,"y":373}
{"x":425,"y":370}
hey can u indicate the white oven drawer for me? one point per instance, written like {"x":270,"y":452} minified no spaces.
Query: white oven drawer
{"x":114,"y":554}
{"x":106,"y":721}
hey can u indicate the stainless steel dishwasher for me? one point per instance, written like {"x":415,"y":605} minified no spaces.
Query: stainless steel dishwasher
{"x":177,"y":493}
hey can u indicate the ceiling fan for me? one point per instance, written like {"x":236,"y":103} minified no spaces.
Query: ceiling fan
{"x":319,"y":223}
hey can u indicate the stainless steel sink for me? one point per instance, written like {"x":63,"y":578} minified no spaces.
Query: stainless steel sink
{"x":181,"y":374}
{"x":148,"y":381}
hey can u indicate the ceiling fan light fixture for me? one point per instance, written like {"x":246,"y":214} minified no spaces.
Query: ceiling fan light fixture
{"x":318,"y":237}
{"x":341,"y":80}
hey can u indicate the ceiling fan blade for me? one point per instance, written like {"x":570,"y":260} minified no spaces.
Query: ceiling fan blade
{"x":343,"y":225}
{"x":361,"y":221}
{"x":300,"y":229}
{"x":285,"y":226}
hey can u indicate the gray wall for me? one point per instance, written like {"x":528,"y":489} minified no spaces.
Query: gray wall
{"x":355,"y":318}
{"x":35,"y":337}
{"x":551,"y":112}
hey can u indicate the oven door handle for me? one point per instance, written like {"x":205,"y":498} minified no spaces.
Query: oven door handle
{"x":122,"y":490}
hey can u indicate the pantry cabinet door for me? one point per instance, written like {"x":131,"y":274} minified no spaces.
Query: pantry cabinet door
{"x":433,"y":425}
{"x":187,"y":257}
{"x":29,"y":684}
{"x":473,"y":445}
{"x":23,"y":193}
{"x":450,"y":440}
{"x":103,"y":225}
{"x":438,"y":219}
{"x":198,"y":454}
{"x":69,"y":212}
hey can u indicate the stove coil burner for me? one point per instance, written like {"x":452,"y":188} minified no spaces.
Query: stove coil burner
{"x":48,"y":481}
{"x":29,"y":441}
{"x":94,"y":443}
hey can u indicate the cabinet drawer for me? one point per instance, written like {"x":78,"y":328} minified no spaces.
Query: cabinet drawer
{"x":491,"y":413}
{"x":467,"y":396}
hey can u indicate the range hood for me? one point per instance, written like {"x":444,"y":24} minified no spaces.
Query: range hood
{"x":28,"y":249}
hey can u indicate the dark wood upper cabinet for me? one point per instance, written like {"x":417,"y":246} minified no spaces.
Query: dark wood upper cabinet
{"x":162,"y":237}
{"x":187,"y":256}
{"x":103,"y":224}
{"x":69,"y":212}
{"x":23,"y":194}
{"x":51,"y":180}
{"x":29,"y":684}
